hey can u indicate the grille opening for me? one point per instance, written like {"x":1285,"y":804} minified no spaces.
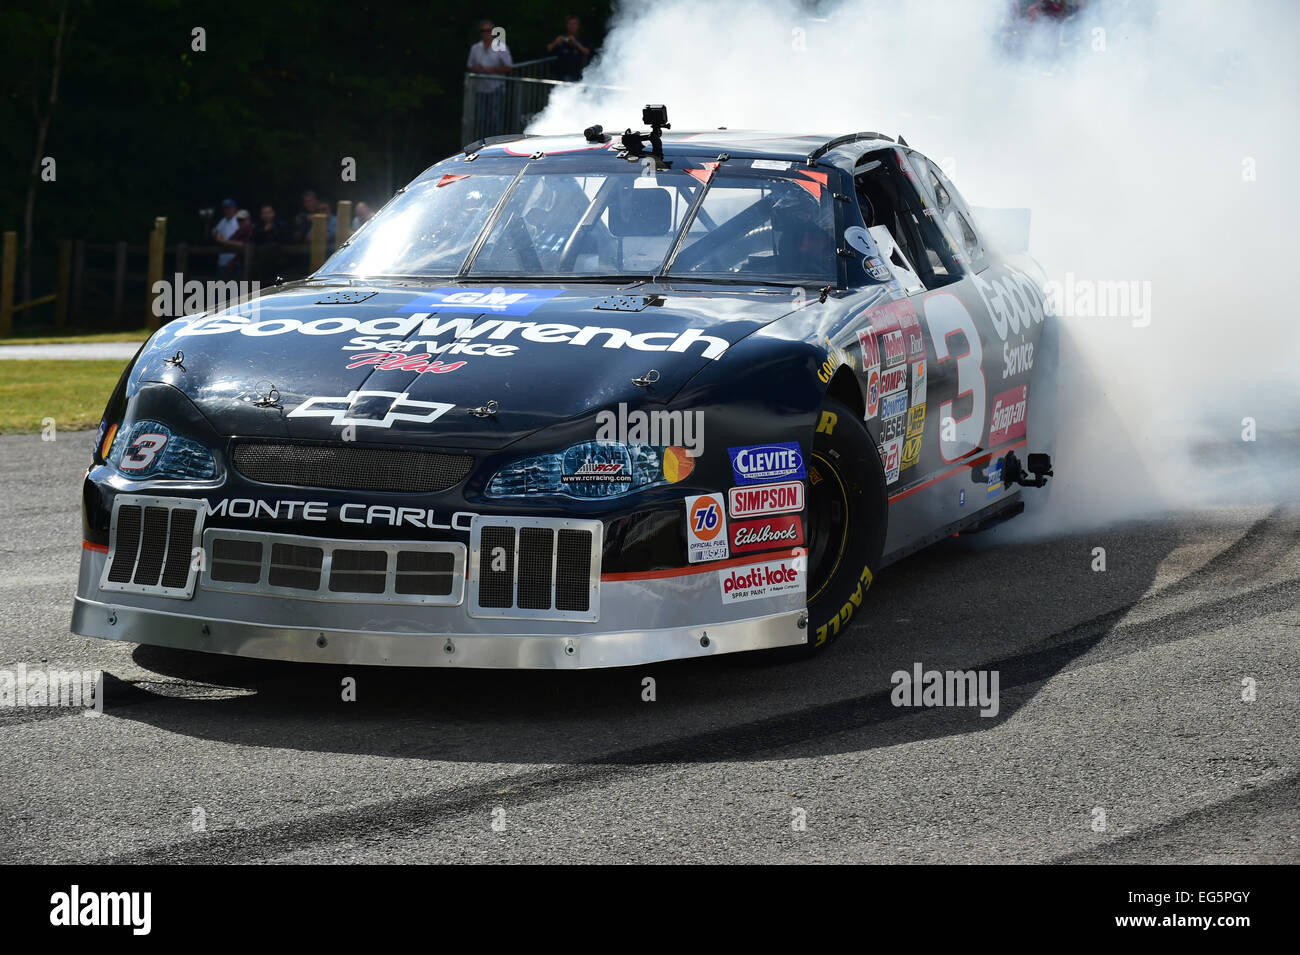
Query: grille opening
{"x":180,"y":540}
{"x":127,"y":544}
{"x":351,"y":468}
{"x":358,"y":572}
{"x":535,"y":567}
{"x":296,"y":566}
{"x":535,"y":546}
{"x":573,"y":571}
{"x":153,"y":547}
{"x":496,"y":567}
{"x":237,"y":561}
{"x":420,"y":572}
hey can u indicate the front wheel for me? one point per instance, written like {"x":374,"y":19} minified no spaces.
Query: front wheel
{"x":847,"y":517}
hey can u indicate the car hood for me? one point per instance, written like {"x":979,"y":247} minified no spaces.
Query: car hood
{"x":410,"y":363}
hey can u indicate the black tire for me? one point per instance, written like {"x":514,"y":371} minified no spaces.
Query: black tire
{"x":847,"y":517}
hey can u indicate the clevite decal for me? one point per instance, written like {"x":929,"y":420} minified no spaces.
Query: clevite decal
{"x":769,"y":462}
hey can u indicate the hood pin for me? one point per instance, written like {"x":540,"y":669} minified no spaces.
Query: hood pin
{"x":177,"y":360}
{"x":270,"y":398}
{"x":485,"y":411}
{"x":646,"y":380}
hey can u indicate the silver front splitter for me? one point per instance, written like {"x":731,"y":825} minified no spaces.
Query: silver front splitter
{"x":477,"y":650}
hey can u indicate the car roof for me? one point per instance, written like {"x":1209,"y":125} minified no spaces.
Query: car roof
{"x":748,"y":143}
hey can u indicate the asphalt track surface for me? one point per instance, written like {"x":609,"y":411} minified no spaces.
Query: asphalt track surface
{"x":1120,"y":691}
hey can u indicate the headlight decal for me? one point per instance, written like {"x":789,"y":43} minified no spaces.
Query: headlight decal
{"x":592,"y":470}
{"x":150,"y":449}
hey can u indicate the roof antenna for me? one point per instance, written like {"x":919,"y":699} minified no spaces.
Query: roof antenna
{"x":901,"y":140}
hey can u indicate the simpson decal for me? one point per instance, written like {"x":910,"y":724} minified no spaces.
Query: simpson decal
{"x":766,"y":499}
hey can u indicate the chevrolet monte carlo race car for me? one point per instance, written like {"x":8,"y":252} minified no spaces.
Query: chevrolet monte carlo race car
{"x":579,"y":402}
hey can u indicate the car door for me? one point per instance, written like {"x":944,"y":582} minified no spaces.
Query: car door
{"x":967,"y":394}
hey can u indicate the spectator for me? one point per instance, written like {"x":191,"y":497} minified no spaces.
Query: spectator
{"x":268,"y":236}
{"x":490,"y":58}
{"x":570,"y":52}
{"x":302,"y":223}
{"x":244,"y":232}
{"x":223,"y":233}
{"x":364,"y":215}
{"x":331,"y":223}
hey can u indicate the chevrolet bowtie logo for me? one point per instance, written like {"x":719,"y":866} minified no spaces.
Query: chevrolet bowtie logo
{"x":362,"y":409}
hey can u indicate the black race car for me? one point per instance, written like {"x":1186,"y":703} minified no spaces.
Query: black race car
{"x":579,"y":401}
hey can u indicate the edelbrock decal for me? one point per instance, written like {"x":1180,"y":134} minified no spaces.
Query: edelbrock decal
{"x":767,"y":533}
{"x":760,"y":464}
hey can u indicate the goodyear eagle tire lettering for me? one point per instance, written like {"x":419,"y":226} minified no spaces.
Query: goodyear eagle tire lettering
{"x":848,"y":514}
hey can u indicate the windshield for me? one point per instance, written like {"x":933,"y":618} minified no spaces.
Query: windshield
{"x":605,"y":218}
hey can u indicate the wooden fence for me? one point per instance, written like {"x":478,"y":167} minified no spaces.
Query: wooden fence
{"x":96,"y":281}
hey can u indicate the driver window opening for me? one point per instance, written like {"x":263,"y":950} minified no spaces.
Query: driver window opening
{"x":886,"y":198}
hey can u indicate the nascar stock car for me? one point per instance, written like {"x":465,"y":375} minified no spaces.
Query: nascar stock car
{"x":579,"y":401}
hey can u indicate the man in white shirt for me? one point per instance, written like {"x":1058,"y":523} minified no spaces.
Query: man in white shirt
{"x":490,"y":58}
{"x":222,"y":232}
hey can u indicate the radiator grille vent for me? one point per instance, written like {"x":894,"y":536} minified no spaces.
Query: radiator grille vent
{"x":535,"y":568}
{"x":347,"y":467}
{"x":152,"y":544}
{"x":411,"y":572}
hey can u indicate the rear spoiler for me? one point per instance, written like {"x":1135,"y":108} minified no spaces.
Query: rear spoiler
{"x":1007,"y":229}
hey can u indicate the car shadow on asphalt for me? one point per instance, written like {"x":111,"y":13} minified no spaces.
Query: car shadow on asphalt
{"x":1026,"y":610}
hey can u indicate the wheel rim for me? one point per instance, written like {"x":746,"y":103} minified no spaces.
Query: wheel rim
{"x":828,"y":523}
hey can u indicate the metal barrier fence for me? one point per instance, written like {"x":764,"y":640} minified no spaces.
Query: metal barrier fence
{"x":495,"y":105}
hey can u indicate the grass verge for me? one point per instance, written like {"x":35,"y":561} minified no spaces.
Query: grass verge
{"x":73,"y":393}
{"x":89,"y":338}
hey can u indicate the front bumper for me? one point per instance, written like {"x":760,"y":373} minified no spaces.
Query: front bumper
{"x":643,"y":618}
{"x":474,"y":650}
